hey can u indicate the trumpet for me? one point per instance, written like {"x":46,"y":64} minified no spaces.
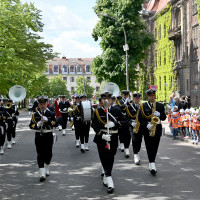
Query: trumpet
{"x":8,"y":105}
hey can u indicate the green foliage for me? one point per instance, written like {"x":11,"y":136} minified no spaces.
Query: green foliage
{"x":111,"y":65}
{"x":165,"y":77}
{"x":23,"y":55}
{"x":58,"y":87}
{"x":198,"y":4}
{"x":80,"y":86}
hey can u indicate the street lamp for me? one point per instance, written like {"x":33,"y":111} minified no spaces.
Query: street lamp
{"x":82,"y":74}
{"x":125,"y":47}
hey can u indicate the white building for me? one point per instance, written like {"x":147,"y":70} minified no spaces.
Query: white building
{"x":70,"y":69}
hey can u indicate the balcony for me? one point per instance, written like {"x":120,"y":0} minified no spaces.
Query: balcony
{"x":175,"y":33}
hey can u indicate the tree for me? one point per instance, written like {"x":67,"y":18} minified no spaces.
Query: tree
{"x":22,"y":54}
{"x":110,"y":66}
{"x":80,"y":86}
{"x":58,"y":87}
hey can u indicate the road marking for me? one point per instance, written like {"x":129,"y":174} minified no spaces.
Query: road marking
{"x":164,"y":158}
{"x":187,"y":169}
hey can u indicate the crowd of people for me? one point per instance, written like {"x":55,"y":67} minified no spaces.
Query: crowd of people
{"x":184,"y":120}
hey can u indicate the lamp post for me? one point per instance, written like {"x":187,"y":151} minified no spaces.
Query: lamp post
{"x":125,"y":47}
{"x":82,"y":74}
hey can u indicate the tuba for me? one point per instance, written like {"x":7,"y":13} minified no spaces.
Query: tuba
{"x":154,"y":121}
{"x":17,"y":93}
{"x":112,"y":88}
{"x":136,"y":129}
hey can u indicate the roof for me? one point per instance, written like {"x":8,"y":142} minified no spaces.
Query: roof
{"x":156,"y":5}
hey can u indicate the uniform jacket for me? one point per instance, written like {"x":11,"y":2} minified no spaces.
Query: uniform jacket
{"x":63,"y":105}
{"x":46,"y":125}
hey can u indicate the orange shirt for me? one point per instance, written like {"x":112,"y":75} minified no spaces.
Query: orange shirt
{"x":181,"y":121}
{"x":174,"y":120}
{"x":186,"y":120}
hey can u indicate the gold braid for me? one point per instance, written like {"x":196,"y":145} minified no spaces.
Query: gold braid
{"x":78,"y":109}
{"x":129,"y":113}
{"x":33,"y":117}
{"x":99,"y":118}
{"x":143,"y":113}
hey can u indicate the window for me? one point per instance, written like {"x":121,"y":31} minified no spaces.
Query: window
{"x":164,"y":57}
{"x":65,"y":79}
{"x":72,"y":89}
{"x":178,"y":51}
{"x":97,"y":88}
{"x":194,"y":7}
{"x":160,"y":83}
{"x":71,"y":79}
{"x":160,"y":60}
{"x":178,"y":18}
{"x":195,"y":36}
{"x":88,"y":68}
{"x":55,"y":69}
{"x":164,"y":30}
{"x":64,"y":69}
{"x":89,"y":78}
{"x":195,"y":73}
{"x":165,"y":82}
{"x":79,"y":69}
{"x":160,"y":32}
{"x":72,"y":69}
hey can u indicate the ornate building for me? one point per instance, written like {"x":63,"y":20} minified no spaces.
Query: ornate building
{"x":70,"y":69}
{"x":175,"y":55}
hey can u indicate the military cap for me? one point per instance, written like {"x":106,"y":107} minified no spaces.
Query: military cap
{"x":5,"y":100}
{"x":10,"y":100}
{"x":137,"y":94}
{"x":42,"y":99}
{"x":151,"y":91}
{"x":77,"y":97}
{"x":125,"y":91}
{"x":62,"y":96}
{"x":113,"y":97}
{"x":37,"y":96}
{"x":119,"y":97}
{"x":106,"y":95}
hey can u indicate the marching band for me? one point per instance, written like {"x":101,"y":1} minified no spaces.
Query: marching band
{"x":115,"y":120}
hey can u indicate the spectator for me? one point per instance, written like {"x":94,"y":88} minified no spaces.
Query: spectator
{"x":171,"y":101}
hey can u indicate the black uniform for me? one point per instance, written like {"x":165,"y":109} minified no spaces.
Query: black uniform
{"x":85,"y":128}
{"x":43,"y":136}
{"x":132,"y":111}
{"x":124,"y":130}
{"x":14,"y":120}
{"x":151,"y":143}
{"x":99,"y":120}
{"x":2,"y":125}
{"x":77,"y":121}
{"x":10,"y":112}
{"x":64,"y":114}
{"x":35,"y":105}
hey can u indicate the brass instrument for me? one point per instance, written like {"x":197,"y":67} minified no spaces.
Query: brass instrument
{"x":8,"y":105}
{"x":154,"y":121}
{"x":136,"y":129}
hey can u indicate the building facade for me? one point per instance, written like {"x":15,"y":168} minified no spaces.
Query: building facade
{"x":175,"y":54}
{"x":70,"y":69}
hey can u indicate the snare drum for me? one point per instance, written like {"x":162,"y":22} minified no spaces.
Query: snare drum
{"x":86,"y":109}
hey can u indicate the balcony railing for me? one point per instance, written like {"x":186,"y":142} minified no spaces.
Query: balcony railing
{"x":175,"y":33}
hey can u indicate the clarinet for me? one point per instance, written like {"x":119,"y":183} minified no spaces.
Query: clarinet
{"x":41,"y":130}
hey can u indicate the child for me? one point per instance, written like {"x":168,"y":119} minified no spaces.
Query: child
{"x":186,"y":123}
{"x":169,"y":115}
{"x":194,"y":127}
{"x":181,"y":123}
{"x":174,"y":121}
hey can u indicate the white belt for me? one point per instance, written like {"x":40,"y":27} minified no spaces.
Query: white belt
{"x":63,"y":111}
{"x":9,"y":118}
{"x":45,"y":131}
{"x":110,"y":131}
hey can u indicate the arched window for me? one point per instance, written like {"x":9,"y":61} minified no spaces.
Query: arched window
{"x":79,"y":69}
{"x":64,"y":69}
{"x":55,"y":69}
{"x":72,"y":69}
{"x":88,"y":69}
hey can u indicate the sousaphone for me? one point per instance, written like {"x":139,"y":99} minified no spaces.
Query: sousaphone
{"x":17,"y":93}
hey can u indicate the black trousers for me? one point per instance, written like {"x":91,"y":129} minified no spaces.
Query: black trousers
{"x":2,"y":134}
{"x":14,"y":127}
{"x":77,"y":126}
{"x":10,"y":129}
{"x":137,"y":142}
{"x":44,"y":145}
{"x":64,"y":120}
{"x":152,"y":144}
{"x":120,"y":136}
{"x":125,"y":136}
{"x":107,"y":156}
{"x":84,"y":133}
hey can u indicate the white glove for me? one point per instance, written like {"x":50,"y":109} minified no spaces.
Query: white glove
{"x":157,"y":114}
{"x":149,"y":126}
{"x":64,"y":109}
{"x":39,"y":123}
{"x":109,"y":125}
{"x":106,"y":137}
{"x":45,"y":118}
{"x":133,"y":124}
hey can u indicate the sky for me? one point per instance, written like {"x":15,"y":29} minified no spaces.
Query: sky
{"x":68,"y":26}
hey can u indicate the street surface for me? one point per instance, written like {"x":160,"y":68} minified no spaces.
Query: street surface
{"x":75,"y":175}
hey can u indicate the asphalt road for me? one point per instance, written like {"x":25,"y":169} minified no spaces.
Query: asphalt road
{"x":75,"y":175}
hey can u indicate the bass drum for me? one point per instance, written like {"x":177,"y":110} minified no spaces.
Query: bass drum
{"x":86,"y":110}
